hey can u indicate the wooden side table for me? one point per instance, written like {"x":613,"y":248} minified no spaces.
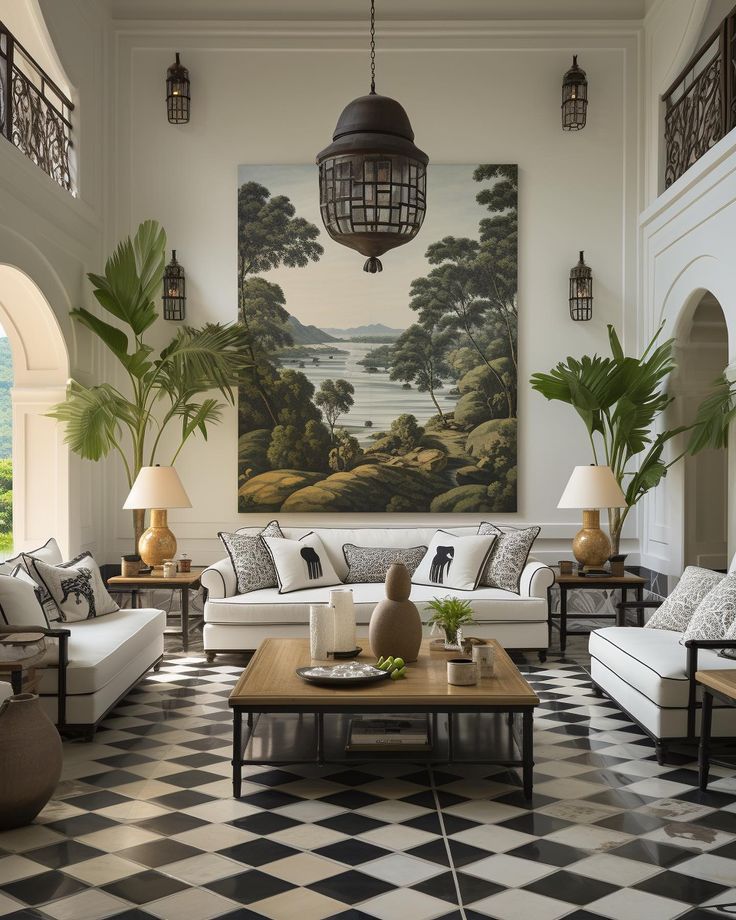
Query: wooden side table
{"x":182,"y":582}
{"x":622,"y":583}
{"x":720,"y":685}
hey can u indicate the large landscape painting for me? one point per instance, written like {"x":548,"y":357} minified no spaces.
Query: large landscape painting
{"x":387,"y":392}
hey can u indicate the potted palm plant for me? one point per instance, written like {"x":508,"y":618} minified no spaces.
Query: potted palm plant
{"x":450,"y":613}
{"x":163,"y":389}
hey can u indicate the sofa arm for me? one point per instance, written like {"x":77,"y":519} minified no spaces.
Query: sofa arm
{"x":536,"y":579}
{"x":219,"y":579}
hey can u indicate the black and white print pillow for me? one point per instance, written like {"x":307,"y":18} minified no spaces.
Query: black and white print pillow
{"x":731,"y":636}
{"x":508,"y":557}
{"x":453,"y":562}
{"x":369,"y":564}
{"x":20,"y":601}
{"x":251,"y":560}
{"x":679,"y":606}
{"x":301,"y":563}
{"x":76,"y":587}
{"x":716,"y":613}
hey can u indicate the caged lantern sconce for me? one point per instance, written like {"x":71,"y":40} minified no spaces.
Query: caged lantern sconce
{"x":177,"y":93}
{"x":581,"y":291}
{"x":574,"y":98}
{"x":175,"y":290}
{"x":372,"y":178}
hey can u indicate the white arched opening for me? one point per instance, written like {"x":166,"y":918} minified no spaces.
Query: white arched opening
{"x":40,"y":370}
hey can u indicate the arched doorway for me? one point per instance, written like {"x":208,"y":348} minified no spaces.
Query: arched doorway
{"x":702,"y":357}
{"x":41,"y":370}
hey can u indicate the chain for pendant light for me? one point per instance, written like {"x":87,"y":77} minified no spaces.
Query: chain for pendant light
{"x":373,"y":47}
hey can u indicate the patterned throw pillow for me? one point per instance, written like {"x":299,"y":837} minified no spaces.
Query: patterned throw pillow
{"x":453,"y":562}
{"x":369,"y":564}
{"x":302,"y":563}
{"x":49,"y":553}
{"x":251,"y":560}
{"x":731,"y":636}
{"x":508,"y":557}
{"x":679,"y":606}
{"x":716,"y":613}
{"x":76,"y":587}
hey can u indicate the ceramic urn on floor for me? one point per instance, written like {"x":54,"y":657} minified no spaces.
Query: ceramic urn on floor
{"x":396,"y":627}
{"x":30,"y":760}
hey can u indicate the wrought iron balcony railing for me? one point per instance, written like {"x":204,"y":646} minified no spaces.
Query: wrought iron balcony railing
{"x":35,"y":115}
{"x":700,"y":104}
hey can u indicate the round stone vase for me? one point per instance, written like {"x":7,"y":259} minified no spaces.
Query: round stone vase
{"x":396,"y":627}
{"x":30,"y":760}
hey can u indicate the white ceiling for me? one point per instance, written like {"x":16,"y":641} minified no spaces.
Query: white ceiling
{"x":402,"y":10}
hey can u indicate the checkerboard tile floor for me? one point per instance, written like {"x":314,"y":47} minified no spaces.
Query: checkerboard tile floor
{"x":143,"y":824}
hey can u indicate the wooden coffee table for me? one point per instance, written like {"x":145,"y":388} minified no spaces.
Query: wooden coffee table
{"x":465,"y":721}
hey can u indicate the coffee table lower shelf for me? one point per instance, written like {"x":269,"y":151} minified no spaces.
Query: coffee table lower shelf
{"x":498,"y":737}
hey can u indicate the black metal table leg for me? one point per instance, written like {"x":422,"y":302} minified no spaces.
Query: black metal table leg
{"x":320,"y":738}
{"x":237,"y":750}
{"x":450,"y":751}
{"x":527,"y":753}
{"x":706,"y":717}
{"x":640,"y":610}
{"x":563,"y":618}
{"x":185,"y":619}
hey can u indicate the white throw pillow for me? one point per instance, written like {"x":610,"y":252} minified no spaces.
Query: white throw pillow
{"x":49,"y":553}
{"x":716,"y":613}
{"x":301,"y":563}
{"x":454,"y":562}
{"x":680,"y":605}
{"x":76,"y":587}
{"x":20,"y":604}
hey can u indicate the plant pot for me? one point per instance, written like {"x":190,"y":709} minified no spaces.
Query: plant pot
{"x":30,"y":760}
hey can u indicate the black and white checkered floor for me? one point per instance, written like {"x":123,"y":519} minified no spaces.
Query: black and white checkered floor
{"x":144,"y":825}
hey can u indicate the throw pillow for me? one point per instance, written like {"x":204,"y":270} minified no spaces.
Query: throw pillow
{"x":453,"y":562}
{"x":20,"y":604}
{"x":251,"y":561}
{"x":49,"y":553}
{"x":679,"y":606}
{"x":731,"y":636}
{"x":301,"y":563}
{"x":369,"y":564}
{"x":716,"y":613}
{"x":508,"y":557}
{"x":76,"y":587}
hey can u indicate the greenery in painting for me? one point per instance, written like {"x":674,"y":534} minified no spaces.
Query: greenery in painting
{"x":6,"y":445}
{"x":418,"y":414}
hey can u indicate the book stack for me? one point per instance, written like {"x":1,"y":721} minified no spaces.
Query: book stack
{"x":389,"y":733}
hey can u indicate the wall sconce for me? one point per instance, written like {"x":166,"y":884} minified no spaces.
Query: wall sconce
{"x":581,"y":291}
{"x":175,"y":290}
{"x":574,"y":98}
{"x":177,"y":93}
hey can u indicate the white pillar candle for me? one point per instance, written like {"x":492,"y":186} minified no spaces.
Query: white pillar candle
{"x":321,"y":630}
{"x":341,"y":599}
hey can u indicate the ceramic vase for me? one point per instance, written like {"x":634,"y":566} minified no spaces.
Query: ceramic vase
{"x":396,"y":627}
{"x":30,"y":760}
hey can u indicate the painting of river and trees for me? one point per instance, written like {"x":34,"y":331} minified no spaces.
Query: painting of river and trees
{"x":388,"y":392}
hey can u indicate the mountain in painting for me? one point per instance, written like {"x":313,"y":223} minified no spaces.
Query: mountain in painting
{"x":307,"y":335}
{"x":370,"y":329}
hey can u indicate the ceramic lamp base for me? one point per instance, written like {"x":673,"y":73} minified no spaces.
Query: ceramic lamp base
{"x":591,"y":546}
{"x":158,"y":542}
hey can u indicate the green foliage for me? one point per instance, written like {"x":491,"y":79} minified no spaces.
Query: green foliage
{"x":378,"y":357}
{"x":99,"y":419}
{"x":297,"y":448}
{"x":335,"y":397}
{"x":6,"y":501}
{"x":6,"y":409}
{"x":406,"y":432}
{"x":346,"y":451}
{"x":450,"y":613}
{"x":419,"y":358}
{"x":714,"y":416}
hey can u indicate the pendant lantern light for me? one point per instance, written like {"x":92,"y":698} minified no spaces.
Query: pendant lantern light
{"x":178,"y":98}
{"x":581,"y":291}
{"x":372,"y":178}
{"x":175,"y":290}
{"x":574,"y":98}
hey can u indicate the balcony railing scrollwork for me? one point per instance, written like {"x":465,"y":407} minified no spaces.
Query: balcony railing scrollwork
{"x":35,"y":115}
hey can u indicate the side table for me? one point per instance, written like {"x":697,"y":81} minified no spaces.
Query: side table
{"x":720,"y":685}
{"x":623,"y":583}
{"x":182,"y":582}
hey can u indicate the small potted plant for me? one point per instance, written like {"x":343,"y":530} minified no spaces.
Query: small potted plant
{"x":450,"y":613}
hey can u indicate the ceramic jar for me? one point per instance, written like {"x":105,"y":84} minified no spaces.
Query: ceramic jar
{"x":462,"y":672}
{"x":396,"y":627}
{"x":30,"y":760}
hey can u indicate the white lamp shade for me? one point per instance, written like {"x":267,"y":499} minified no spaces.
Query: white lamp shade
{"x":157,"y":487}
{"x":592,"y":487}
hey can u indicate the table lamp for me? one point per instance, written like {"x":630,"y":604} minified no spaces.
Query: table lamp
{"x":591,"y":488}
{"x":158,"y":488}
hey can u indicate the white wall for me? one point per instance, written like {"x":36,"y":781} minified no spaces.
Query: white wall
{"x":476,"y":92}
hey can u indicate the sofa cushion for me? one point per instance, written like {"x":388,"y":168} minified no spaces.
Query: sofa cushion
{"x":49,"y":553}
{"x":250,"y":559}
{"x":453,"y":562}
{"x":76,"y":587}
{"x":369,"y":564}
{"x":716,"y":613}
{"x":268,"y":607}
{"x":681,"y":603}
{"x":20,"y":601}
{"x":301,"y":563}
{"x":653,"y":661}
{"x":101,"y":648}
{"x":509,"y":555}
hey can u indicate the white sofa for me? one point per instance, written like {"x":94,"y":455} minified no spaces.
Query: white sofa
{"x":237,"y":622}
